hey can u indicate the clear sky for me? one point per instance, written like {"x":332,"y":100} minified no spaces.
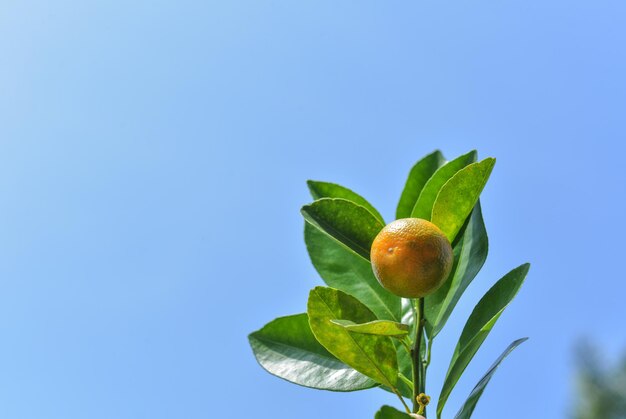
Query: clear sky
{"x":153,"y":159}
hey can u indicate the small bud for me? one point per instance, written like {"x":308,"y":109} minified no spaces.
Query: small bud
{"x":416,"y":416}
{"x":422,"y":399}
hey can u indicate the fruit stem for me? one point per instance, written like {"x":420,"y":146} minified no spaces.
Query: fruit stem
{"x":418,"y":366}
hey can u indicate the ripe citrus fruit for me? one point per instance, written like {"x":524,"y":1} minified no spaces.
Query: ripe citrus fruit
{"x":411,"y":257}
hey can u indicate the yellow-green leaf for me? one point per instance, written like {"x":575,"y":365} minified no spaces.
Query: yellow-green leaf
{"x":418,"y":176}
{"x":377,"y":327}
{"x":374,"y":356}
{"x":457,"y":197}
{"x":424,"y":206}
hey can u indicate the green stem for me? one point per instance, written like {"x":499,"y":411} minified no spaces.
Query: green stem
{"x":418,"y":366}
{"x":427,"y":360}
{"x":407,"y":346}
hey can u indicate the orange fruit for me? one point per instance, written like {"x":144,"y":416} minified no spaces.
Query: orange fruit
{"x":411,"y":257}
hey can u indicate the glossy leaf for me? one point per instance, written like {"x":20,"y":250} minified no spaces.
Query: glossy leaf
{"x":424,"y":206}
{"x":286,"y":348}
{"x":468,"y":407}
{"x":350,"y":224}
{"x":377,"y":327}
{"x":388,"y":412}
{"x":478,"y":326}
{"x":374,"y":356}
{"x":457,"y":197}
{"x":332,"y":190}
{"x":344,"y":270}
{"x":418,"y":176}
{"x":470,"y":255}
{"x":341,"y":268}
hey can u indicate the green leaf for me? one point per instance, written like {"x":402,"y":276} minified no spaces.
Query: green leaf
{"x":407,"y":382}
{"x":350,"y":224}
{"x":377,"y":327}
{"x":341,"y":268}
{"x":405,"y":366}
{"x":470,"y":253}
{"x":468,"y":407}
{"x":344,"y":270}
{"x":478,"y":326}
{"x":374,"y":356}
{"x":459,"y":195}
{"x":405,"y":362}
{"x":388,"y":412}
{"x":332,"y":190}
{"x":286,"y":348}
{"x":424,"y":206}
{"x":418,"y":176}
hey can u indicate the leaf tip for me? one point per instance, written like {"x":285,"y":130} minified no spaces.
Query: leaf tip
{"x":525,"y":267}
{"x":436,"y":153}
{"x":317,"y":289}
{"x":491,"y":161}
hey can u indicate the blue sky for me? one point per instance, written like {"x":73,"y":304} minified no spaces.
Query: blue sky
{"x":153,"y":159}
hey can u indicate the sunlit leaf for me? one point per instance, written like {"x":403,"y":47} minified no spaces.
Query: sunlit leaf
{"x":341,"y":268}
{"x":350,"y":224}
{"x":457,"y":197}
{"x":478,"y":326}
{"x":470,"y":254}
{"x":286,"y":348}
{"x":468,"y":407}
{"x":374,"y":356}
{"x":377,"y":327}
{"x":418,"y":176}
{"x":424,"y":206}
{"x":332,"y":190}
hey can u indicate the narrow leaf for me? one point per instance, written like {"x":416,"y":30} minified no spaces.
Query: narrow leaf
{"x":374,"y":356}
{"x":459,"y":195}
{"x":424,"y":206}
{"x":350,"y":224}
{"x":468,"y":407}
{"x":377,"y":327}
{"x":286,"y":348}
{"x":388,"y":412}
{"x":470,"y":255}
{"x":418,"y":176}
{"x":332,"y":190}
{"x":478,"y":326}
